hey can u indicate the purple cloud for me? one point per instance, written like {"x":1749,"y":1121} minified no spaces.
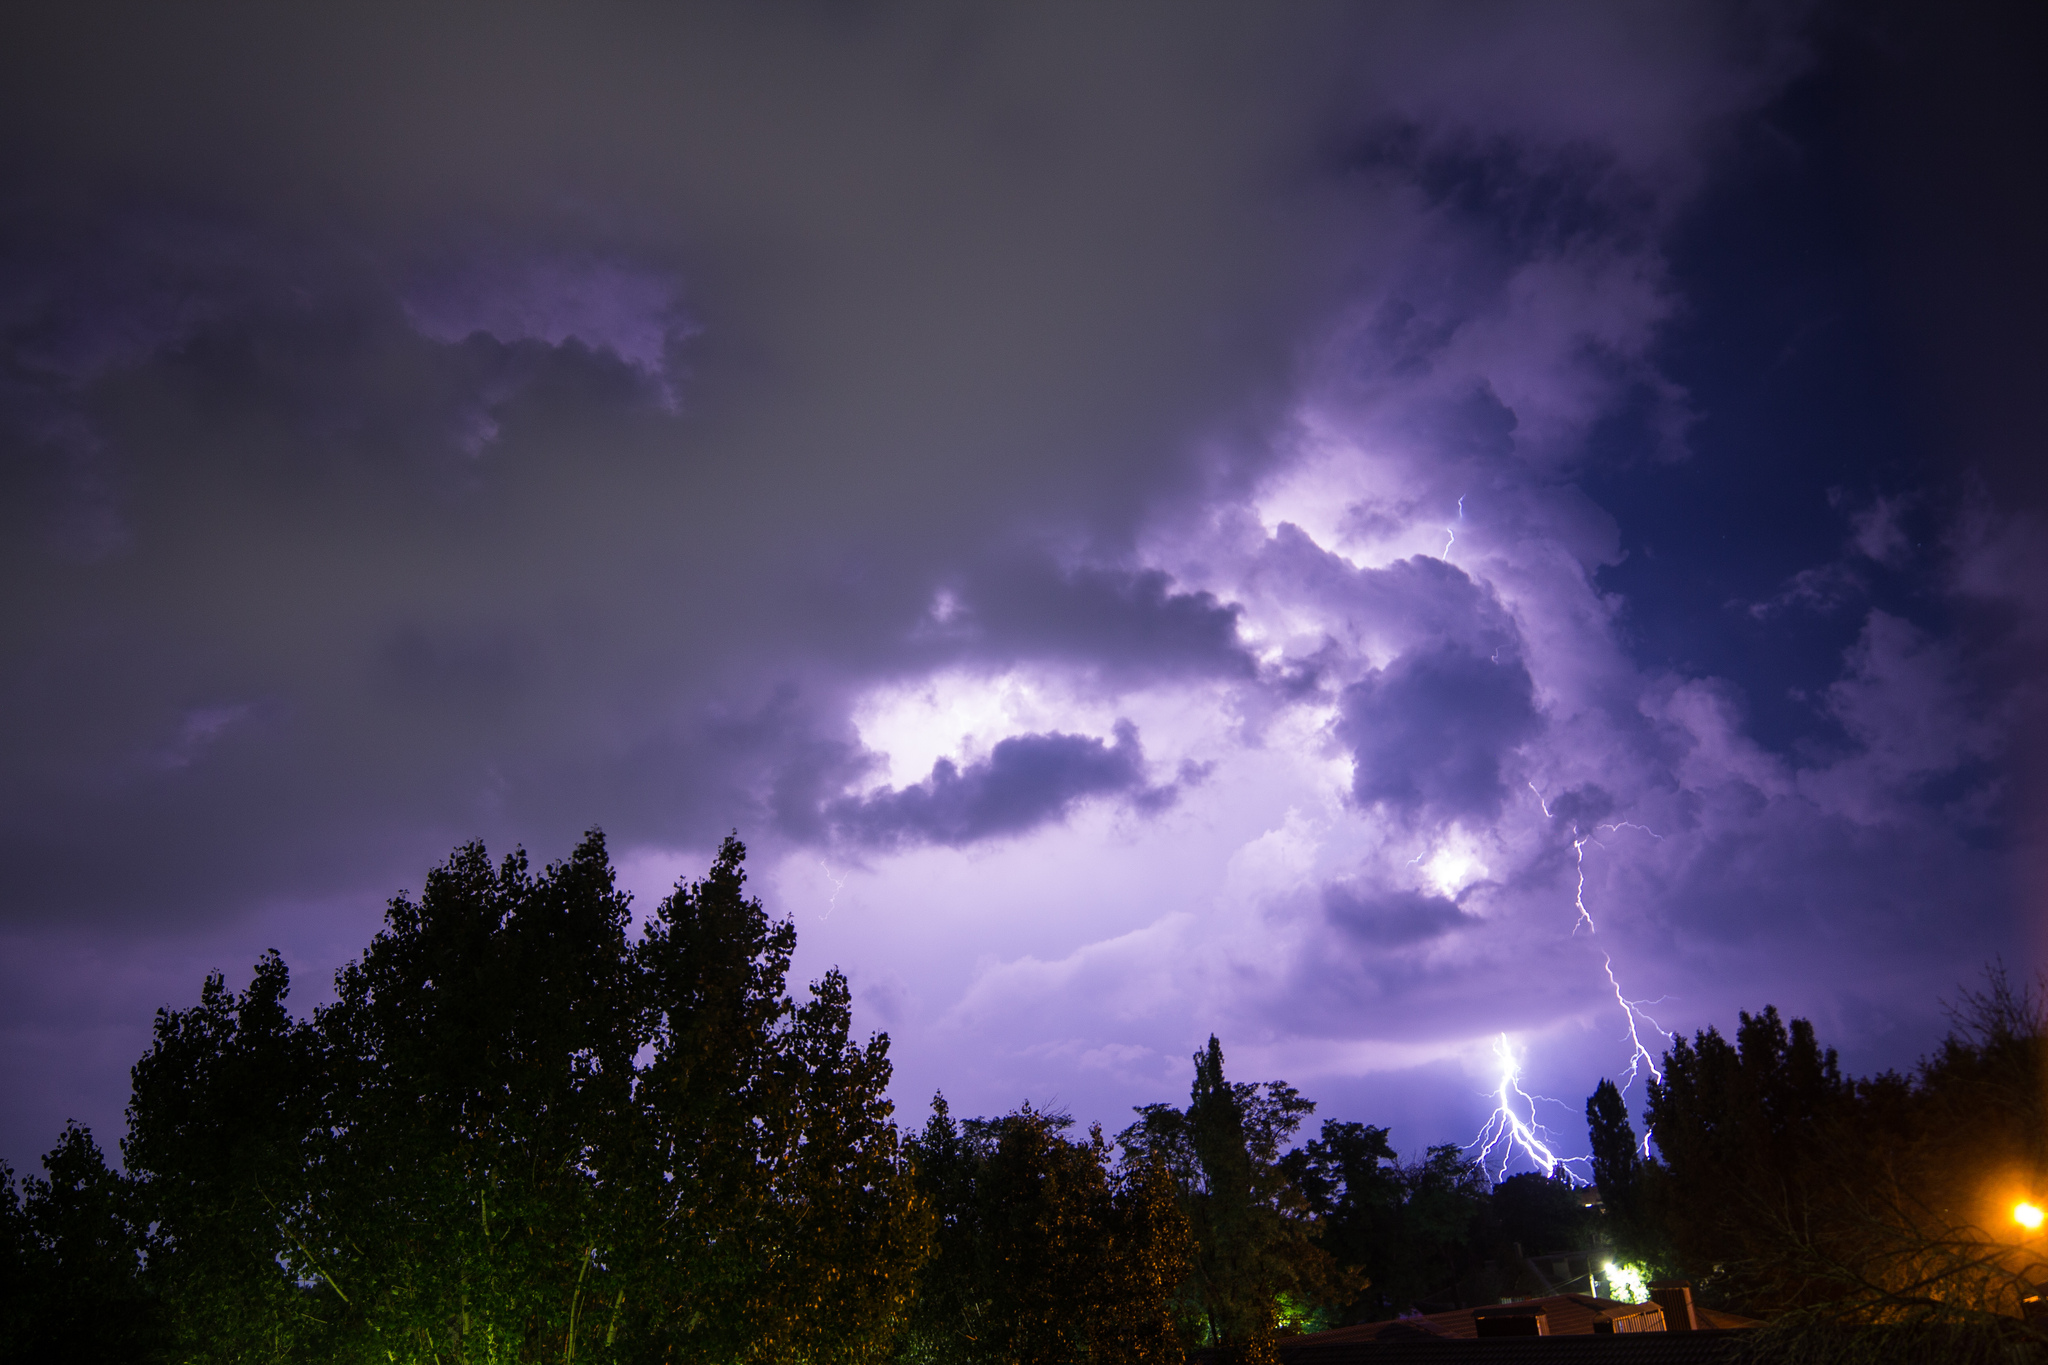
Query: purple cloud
{"x":1293,"y":387}
{"x":1026,"y":781}
{"x":1382,"y":918}
{"x":1432,"y":731}
{"x":553,"y":298}
{"x":1128,"y":622}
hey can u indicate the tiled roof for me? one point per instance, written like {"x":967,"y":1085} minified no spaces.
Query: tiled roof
{"x":1567,"y":1314}
{"x":1712,"y":1347}
{"x":1453,"y":1339}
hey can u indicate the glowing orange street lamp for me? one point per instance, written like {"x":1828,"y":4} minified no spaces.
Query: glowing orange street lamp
{"x":2027,"y":1215}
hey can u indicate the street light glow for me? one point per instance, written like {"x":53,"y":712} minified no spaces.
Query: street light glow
{"x":2027,"y":1215}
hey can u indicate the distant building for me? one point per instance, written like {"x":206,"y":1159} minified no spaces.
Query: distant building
{"x":1670,"y":1330}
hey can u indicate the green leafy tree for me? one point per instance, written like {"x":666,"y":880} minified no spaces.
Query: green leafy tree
{"x":782,"y":1220}
{"x":223,"y":1108}
{"x":1256,"y":1251}
{"x":1408,"y":1228}
{"x":1617,"y":1161}
{"x":1047,"y":1250}
{"x":1541,"y":1213}
{"x":519,"y":1135}
{"x":1743,"y":1132}
{"x":1885,"y":1201}
{"x":481,"y":1059}
{"x":1618,"y":1175}
{"x":74,"y":1262}
{"x":15,"y":1253}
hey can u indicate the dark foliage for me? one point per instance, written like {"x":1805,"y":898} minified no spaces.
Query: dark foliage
{"x":1409,"y":1230}
{"x":1047,"y":1251}
{"x":1786,"y":1189}
{"x":1807,"y":1339}
{"x":225,"y":1108}
{"x":515,"y":1135}
{"x":1618,"y":1171}
{"x":1256,"y":1252}
{"x":72,"y":1258}
{"x":1542,"y":1213}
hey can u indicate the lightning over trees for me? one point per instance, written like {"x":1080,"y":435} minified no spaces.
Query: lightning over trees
{"x":523,"y":1130}
{"x":1506,"y":1132}
{"x":1887,"y":1202}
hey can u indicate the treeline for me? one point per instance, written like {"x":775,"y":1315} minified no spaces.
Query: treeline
{"x":521,"y":1133}
{"x":1782,"y":1187}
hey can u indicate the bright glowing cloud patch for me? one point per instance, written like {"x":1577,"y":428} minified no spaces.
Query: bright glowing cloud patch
{"x":1386,"y":534}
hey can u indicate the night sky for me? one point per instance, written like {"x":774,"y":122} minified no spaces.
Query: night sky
{"x":1148,"y":520}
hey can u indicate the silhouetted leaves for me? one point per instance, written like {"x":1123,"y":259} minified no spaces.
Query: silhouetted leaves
{"x":515,"y":1134}
{"x":73,"y":1252}
{"x":1411,"y":1230}
{"x":1047,"y":1251}
{"x":1786,"y":1188}
{"x":1255,"y":1245}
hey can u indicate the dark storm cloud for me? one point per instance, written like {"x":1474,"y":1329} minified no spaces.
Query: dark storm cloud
{"x":1122,"y":622}
{"x":1419,"y":598}
{"x":423,"y":424}
{"x":1431,"y":731}
{"x":1026,"y":781}
{"x":504,"y":410}
{"x":1376,"y":916}
{"x":1581,"y":807}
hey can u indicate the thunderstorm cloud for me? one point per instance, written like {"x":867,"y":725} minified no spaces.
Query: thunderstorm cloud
{"x":1543,"y":481}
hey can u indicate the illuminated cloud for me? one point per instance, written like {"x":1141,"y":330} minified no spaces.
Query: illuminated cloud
{"x":1026,"y":781}
{"x":858,"y":431}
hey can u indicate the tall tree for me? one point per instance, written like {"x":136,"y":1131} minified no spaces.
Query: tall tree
{"x":1048,"y":1252}
{"x":1407,"y":1229}
{"x":517,"y":1134}
{"x":1618,"y":1171}
{"x":75,"y":1291}
{"x":786,"y":1223}
{"x":481,"y":1059}
{"x":1742,"y":1132}
{"x":1254,"y":1230}
{"x":223,"y":1108}
{"x":1887,"y":1200}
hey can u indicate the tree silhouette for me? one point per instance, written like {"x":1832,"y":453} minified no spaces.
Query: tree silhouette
{"x":517,"y":1133}
{"x":1255,"y":1248}
{"x":1047,"y":1251}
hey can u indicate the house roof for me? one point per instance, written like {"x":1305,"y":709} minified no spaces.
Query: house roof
{"x":1706,"y":1347}
{"x":1569,"y":1315}
{"x":1453,"y":1339}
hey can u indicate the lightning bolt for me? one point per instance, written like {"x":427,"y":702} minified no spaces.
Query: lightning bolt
{"x":1450,"y":532}
{"x":1579,"y":842}
{"x":1640,"y":1057}
{"x":1508,"y":1133}
{"x":838,"y":885}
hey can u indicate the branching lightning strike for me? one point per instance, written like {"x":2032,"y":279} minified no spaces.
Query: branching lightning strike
{"x":838,"y":885}
{"x":1641,"y":1058}
{"x":1506,"y":1132}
